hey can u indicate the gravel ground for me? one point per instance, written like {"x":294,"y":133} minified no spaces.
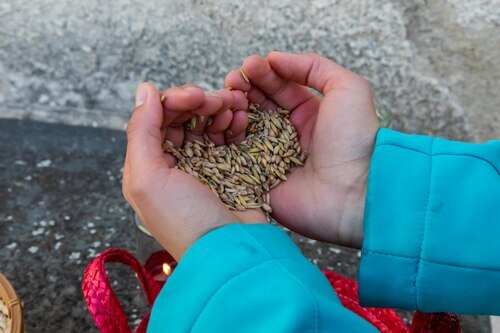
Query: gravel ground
{"x":61,"y":204}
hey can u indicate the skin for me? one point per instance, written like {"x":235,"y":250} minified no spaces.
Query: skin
{"x":323,"y":200}
{"x":175,"y":207}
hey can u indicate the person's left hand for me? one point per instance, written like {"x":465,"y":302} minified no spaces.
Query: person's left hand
{"x":175,"y":207}
{"x":325,"y":199}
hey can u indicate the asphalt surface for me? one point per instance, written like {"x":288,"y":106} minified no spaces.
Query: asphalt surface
{"x":61,"y":205}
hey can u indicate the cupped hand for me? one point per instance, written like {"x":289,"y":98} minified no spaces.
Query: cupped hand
{"x":175,"y":207}
{"x":324,"y":199}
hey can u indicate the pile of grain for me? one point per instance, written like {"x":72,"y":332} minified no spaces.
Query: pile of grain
{"x":242,"y":174}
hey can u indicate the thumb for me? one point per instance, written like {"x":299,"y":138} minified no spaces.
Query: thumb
{"x":144,"y":134}
{"x":314,"y":71}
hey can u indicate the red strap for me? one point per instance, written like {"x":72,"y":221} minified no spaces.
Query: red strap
{"x":387,"y":320}
{"x":435,"y":322}
{"x":101,"y":301}
{"x":109,"y":317}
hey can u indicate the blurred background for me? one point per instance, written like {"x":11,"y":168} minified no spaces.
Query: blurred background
{"x":68,"y":72}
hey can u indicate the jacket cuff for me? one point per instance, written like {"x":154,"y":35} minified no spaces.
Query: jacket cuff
{"x":400,"y":166}
{"x":209,"y":263}
{"x":429,"y":231}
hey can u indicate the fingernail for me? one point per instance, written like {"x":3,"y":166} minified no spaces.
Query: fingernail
{"x":141,"y":95}
{"x":228,"y":132}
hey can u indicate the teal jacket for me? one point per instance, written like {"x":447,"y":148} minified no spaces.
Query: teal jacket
{"x":431,"y":242}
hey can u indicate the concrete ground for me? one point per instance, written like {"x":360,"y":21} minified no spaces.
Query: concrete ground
{"x":433,"y":64}
{"x":495,"y":324}
{"x":62,"y":205}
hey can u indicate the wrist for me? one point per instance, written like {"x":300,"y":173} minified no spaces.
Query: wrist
{"x":346,"y":215}
{"x":352,"y":209}
{"x":351,"y":218}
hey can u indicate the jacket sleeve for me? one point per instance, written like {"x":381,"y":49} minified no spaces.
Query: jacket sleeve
{"x":249,"y":278}
{"x":432,"y":226}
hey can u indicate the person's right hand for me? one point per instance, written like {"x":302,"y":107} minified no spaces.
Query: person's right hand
{"x":176,"y":207}
{"x":324,"y":199}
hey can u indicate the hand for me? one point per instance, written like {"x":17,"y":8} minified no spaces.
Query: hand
{"x":324,"y":199}
{"x":175,"y":207}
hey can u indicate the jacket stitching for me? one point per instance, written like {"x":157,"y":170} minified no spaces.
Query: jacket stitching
{"x":221,"y":286}
{"x":430,"y":261}
{"x":252,"y":239}
{"x":442,"y":154}
{"x":388,"y":254}
{"x":246,"y":271}
{"x":262,"y":250}
{"x":426,"y":218}
{"x":313,"y":302}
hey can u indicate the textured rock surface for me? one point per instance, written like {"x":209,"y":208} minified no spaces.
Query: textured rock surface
{"x":457,"y":42}
{"x":434,"y":65}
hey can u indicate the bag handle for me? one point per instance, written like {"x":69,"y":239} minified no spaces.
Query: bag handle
{"x":109,"y":317}
{"x":103,"y":305}
{"x":387,"y":320}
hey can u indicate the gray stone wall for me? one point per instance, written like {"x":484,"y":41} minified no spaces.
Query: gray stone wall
{"x":433,"y":64}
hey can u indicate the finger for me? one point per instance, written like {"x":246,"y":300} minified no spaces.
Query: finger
{"x":220,"y":123}
{"x":144,"y":132}
{"x":236,"y":131}
{"x":195,"y":133}
{"x":180,"y":99}
{"x":212,"y":104}
{"x":191,"y":85}
{"x":285,"y":93}
{"x":257,"y":96}
{"x":227,"y":99}
{"x":175,"y":135}
{"x":314,"y":71}
{"x":218,"y":138}
{"x":171,"y":160}
{"x":240,"y":101}
{"x":181,"y":118}
{"x":234,"y":80}
{"x":239,"y":123}
{"x":184,"y":98}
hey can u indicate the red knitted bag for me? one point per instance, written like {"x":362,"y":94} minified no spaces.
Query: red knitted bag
{"x":109,"y":316}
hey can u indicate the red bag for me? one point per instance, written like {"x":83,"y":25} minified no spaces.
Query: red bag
{"x":109,"y":317}
{"x":101,"y":301}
